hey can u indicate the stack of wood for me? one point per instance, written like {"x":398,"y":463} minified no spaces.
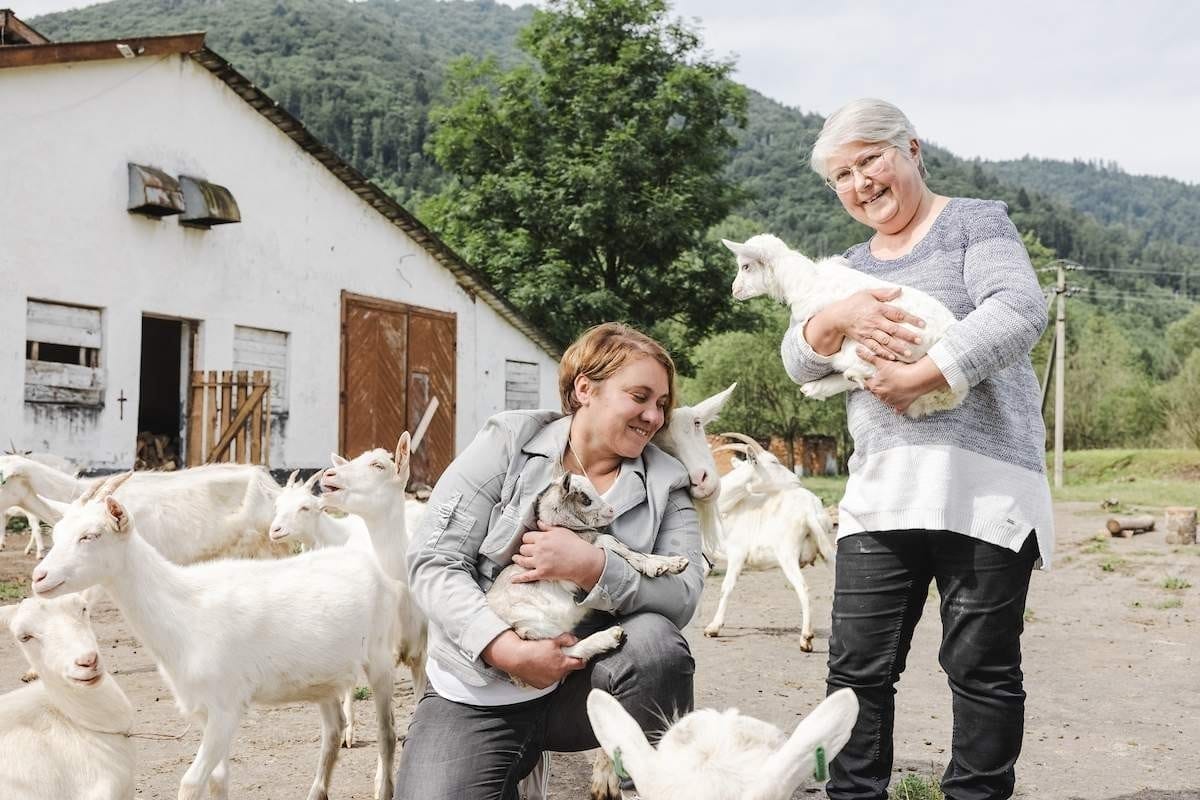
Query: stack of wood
{"x":155,"y":451}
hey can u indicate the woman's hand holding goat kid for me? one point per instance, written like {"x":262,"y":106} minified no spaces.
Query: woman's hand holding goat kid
{"x":866,"y":318}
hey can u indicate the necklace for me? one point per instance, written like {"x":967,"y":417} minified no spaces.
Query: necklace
{"x":579,"y":461}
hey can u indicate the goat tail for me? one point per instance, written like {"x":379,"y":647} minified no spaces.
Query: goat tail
{"x":822,"y":530}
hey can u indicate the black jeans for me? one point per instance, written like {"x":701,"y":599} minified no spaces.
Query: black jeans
{"x":460,"y":752}
{"x":882,"y":583}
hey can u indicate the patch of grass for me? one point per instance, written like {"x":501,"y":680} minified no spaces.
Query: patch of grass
{"x":1029,"y":615}
{"x":362,"y":692}
{"x":17,"y":523}
{"x":11,"y":591}
{"x":1174,"y":583}
{"x":1174,"y":602}
{"x":1134,"y":477}
{"x":917,"y":787}
{"x":1136,"y":604}
{"x":829,"y":488}
{"x":1097,"y":544}
{"x":1113,"y":564}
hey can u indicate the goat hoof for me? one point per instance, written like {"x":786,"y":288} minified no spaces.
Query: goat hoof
{"x":29,"y":676}
{"x":806,"y":645}
{"x":712,"y":632}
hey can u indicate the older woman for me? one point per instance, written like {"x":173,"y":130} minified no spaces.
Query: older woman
{"x":957,"y":497}
{"x":475,"y":733}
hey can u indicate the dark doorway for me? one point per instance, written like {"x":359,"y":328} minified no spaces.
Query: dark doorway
{"x":160,"y":407}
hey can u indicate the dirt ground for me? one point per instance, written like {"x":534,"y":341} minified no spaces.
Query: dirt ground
{"x":1112,"y":666}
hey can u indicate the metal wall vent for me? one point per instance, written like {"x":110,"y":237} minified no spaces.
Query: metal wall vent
{"x":153,"y":192}
{"x":207,"y":204}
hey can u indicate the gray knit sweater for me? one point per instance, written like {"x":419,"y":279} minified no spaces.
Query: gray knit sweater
{"x":978,"y":469}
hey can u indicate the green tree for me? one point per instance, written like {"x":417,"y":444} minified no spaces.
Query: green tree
{"x":1182,"y":399}
{"x":766,"y":402}
{"x":1183,"y":337}
{"x":582,"y":178}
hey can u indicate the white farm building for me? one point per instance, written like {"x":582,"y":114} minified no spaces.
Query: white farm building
{"x":120,"y":162}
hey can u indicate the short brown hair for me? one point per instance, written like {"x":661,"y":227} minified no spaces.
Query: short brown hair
{"x":602,"y":350}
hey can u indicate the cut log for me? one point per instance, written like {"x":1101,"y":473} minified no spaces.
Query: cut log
{"x":1128,"y":526}
{"x":1181,"y":525}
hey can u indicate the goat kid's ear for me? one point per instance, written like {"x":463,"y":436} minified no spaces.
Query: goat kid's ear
{"x":337,"y":460}
{"x":403,"y":450}
{"x":566,"y":481}
{"x":708,"y":409}
{"x":118,"y":517}
{"x":828,"y":726}
{"x":617,"y":731}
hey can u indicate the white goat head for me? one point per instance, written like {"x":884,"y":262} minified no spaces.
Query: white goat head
{"x":57,"y":639}
{"x":714,"y":755}
{"x":89,"y":543}
{"x":685,"y":439}
{"x":756,"y":258}
{"x":357,"y":486}
{"x":297,"y":511}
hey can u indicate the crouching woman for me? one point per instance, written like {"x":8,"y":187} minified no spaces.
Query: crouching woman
{"x":475,"y":734}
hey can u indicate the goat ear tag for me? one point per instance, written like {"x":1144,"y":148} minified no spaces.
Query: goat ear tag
{"x":618,"y":767}
{"x":821,"y":769}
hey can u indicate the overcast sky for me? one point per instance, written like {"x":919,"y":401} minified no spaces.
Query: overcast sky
{"x":1101,"y":79}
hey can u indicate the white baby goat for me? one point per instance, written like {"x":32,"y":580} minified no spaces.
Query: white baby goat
{"x":769,"y":519}
{"x":718,"y":755}
{"x":229,"y":633}
{"x":68,"y":734}
{"x":766,"y":266}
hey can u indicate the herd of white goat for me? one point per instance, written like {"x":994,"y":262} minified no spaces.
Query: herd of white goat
{"x":205,"y":566}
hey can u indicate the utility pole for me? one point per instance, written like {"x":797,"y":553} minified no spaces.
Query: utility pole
{"x":1060,"y":349}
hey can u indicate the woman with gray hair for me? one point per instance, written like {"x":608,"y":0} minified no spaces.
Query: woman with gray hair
{"x":958,"y":497}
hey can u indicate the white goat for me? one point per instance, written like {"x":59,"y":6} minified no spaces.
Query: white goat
{"x":766,"y":266}
{"x":718,"y":755}
{"x":685,"y":438}
{"x":229,"y":633}
{"x":68,"y":734}
{"x":215,"y":511}
{"x":372,"y":487}
{"x":769,"y":519}
{"x":36,"y":538}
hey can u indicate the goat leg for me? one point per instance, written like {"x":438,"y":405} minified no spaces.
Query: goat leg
{"x":649,"y":565}
{"x":600,"y":642}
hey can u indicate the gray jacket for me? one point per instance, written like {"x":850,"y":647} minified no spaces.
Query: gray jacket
{"x":483,"y":504}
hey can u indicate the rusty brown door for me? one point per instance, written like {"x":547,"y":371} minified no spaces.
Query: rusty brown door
{"x":394,"y":358}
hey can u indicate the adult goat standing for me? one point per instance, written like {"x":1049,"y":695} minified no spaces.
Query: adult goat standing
{"x":229,"y":633}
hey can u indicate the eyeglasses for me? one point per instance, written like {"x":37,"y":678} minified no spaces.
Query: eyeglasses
{"x":868,"y":166}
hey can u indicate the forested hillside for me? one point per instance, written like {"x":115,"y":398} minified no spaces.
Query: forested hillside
{"x":363,"y":77}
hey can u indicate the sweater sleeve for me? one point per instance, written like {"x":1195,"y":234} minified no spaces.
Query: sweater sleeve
{"x":1010,"y":309}
{"x":803,"y":364}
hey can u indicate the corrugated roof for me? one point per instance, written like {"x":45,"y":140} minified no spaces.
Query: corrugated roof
{"x":192,"y":46}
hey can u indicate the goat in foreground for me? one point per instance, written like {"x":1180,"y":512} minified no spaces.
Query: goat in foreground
{"x":767,"y":266}
{"x":769,"y":520}
{"x":715,"y":755}
{"x":68,"y":734}
{"x":229,"y":633}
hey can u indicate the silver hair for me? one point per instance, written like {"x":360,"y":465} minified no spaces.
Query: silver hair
{"x":865,"y":120}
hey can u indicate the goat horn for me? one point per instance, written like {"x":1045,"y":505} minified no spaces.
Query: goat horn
{"x":741,"y":437}
{"x":112,"y":484}
{"x":291,"y":481}
{"x":739,"y":447}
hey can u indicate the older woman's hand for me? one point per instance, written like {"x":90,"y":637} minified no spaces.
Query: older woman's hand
{"x":551,"y":553}
{"x":898,"y":385}
{"x":866,"y":318}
